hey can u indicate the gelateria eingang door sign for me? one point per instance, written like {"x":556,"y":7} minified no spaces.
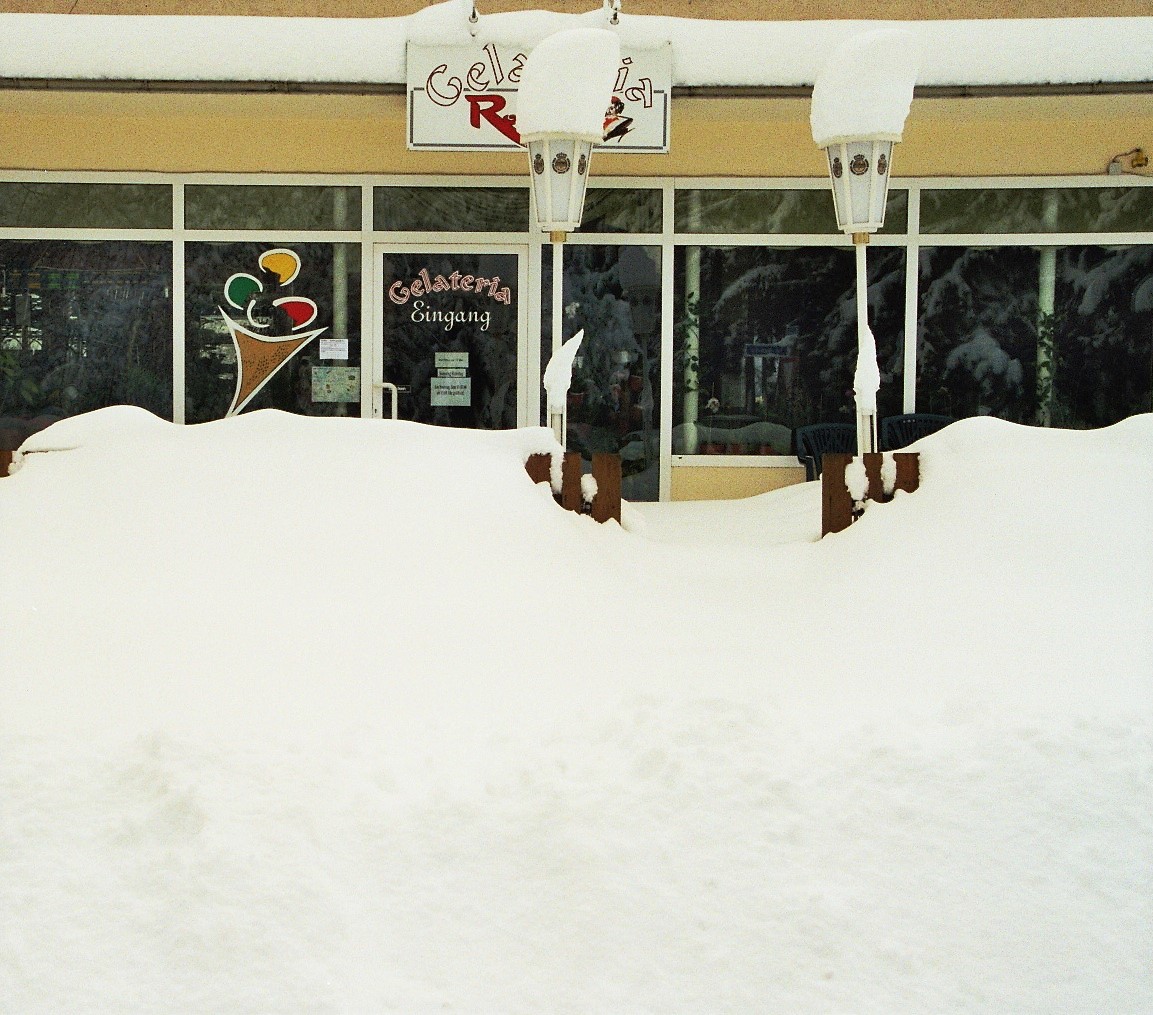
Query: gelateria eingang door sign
{"x":450,"y":335}
{"x":267,"y":322}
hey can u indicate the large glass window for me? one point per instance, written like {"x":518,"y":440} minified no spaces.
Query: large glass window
{"x":613,"y":293}
{"x":83,"y":325}
{"x":272,"y":326}
{"x":766,"y":341}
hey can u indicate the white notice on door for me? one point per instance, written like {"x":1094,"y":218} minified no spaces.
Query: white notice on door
{"x":451,"y":391}
{"x":334,"y":348}
{"x":450,"y":360}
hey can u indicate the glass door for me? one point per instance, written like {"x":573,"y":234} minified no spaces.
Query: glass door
{"x":449,"y":331}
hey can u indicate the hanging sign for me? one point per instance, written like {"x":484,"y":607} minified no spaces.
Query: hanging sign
{"x":463,"y":98}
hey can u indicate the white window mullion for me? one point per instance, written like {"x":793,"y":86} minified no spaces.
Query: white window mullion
{"x":912,"y":295}
{"x":179,"y":330}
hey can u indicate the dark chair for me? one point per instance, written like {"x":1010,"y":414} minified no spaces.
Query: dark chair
{"x":900,"y":431}
{"x":824,"y":438}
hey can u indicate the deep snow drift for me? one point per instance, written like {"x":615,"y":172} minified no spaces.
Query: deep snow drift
{"x":345,"y":716}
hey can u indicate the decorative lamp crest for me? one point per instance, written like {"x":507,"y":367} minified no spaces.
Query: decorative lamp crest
{"x":565,"y":87}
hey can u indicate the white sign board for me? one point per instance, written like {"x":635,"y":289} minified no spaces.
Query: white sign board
{"x":450,"y":360}
{"x":463,"y":98}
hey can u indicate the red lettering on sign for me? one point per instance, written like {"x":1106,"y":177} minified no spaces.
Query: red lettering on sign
{"x":488,"y":107}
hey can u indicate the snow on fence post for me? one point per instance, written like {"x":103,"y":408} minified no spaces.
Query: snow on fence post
{"x":837,"y":502}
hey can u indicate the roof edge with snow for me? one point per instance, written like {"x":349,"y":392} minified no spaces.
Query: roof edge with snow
{"x":1098,"y":53}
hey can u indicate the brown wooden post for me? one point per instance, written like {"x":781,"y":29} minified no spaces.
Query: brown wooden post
{"x":836,"y":504}
{"x":539,"y":468}
{"x":875,"y":491}
{"x":908,"y":470}
{"x":5,"y":462}
{"x":607,"y":473}
{"x":570,"y":474}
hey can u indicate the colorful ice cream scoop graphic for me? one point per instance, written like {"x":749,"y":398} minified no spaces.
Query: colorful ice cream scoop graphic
{"x":272,"y":328}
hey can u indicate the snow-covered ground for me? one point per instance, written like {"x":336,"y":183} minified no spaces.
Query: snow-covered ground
{"x":324,"y":715}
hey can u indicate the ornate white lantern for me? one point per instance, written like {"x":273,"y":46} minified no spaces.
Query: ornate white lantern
{"x":859,"y":171}
{"x":565,"y":89}
{"x":560,"y":172}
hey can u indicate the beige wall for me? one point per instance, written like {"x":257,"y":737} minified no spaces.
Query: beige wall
{"x":749,"y":10}
{"x":184,"y":132}
{"x":709,"y":482}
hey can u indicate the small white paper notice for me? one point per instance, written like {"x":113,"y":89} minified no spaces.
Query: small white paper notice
{"x":334,"y":348}
{"x":450,"y":360}
{"x":451,"y":391}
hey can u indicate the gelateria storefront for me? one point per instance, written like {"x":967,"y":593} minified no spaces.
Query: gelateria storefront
{"x":718,"y":314}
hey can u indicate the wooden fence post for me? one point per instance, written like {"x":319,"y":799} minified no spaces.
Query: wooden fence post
{"x":570,"y":493}
{"x":836,"y":504}
{"x":908,"y":470}
{"x":607,"y":473}
{"x":5,"y":462}
{"x":875,"y":491}
{"x":539,"y":468}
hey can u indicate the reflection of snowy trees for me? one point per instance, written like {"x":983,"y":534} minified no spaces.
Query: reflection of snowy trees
{"x":980,"y":325}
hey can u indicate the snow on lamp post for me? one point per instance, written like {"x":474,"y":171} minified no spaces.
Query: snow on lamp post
{"x":566,"y":86}
{"x":860,"y":102}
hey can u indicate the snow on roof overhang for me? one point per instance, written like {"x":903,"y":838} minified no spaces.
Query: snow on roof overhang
{"x":291,"y":54}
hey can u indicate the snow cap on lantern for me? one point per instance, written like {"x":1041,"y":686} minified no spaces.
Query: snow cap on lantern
{"x":566,"y":86}
{"x":860,"y":103}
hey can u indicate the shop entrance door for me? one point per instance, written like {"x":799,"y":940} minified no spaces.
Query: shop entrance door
{"x":449,"y":329}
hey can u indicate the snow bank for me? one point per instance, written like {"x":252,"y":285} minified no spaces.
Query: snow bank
{"x":1002,"y":51}
{"x":567,"y":84}
{"x":344,"y":715}
{"x":864,"y":90}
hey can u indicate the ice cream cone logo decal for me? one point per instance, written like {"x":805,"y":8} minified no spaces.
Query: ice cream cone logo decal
{"x":273,"y":327}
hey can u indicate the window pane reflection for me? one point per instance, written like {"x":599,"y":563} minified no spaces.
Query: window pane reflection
{"x":622,"y":211}
{"x":977,"y":332}
{"x":766,"y":341}
{"x":321,"y":378}
{"x":86,"y":205}
{"x":772,"y":211}
{"x":83,"y":325}
{"x":459,"y":209}
{"x":1038,"y":210}
{"x":266,"y":207}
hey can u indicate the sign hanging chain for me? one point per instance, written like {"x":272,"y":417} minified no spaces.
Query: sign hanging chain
{"x":473,"y":18}
{"x":615,"y":7}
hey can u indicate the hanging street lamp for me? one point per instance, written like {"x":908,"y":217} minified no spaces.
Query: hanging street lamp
{"x":565,"y":89}
{"x":860,"y":102}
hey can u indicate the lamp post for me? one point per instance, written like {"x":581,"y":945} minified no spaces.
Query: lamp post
{"x":565,"y":88}
{"x":860,"y":102}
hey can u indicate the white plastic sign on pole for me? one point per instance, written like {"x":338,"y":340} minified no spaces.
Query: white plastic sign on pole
{"x":463,"y":98}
